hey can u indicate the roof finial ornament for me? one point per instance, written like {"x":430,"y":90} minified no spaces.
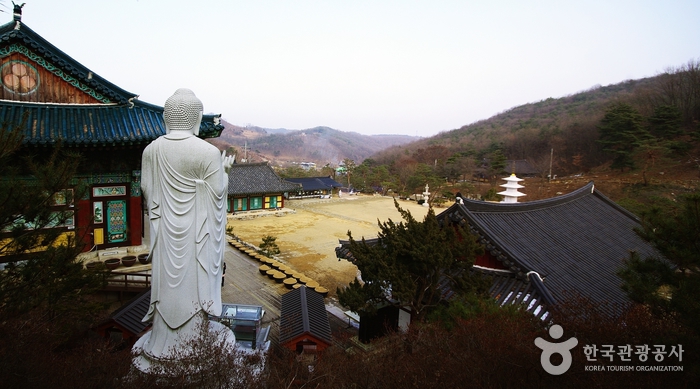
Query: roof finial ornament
{"x":17,"y":11}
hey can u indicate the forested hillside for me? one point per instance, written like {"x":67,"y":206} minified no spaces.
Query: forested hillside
{"x":643,"y":128}
{"x":646,"y":129}
{"x":668,"y":109}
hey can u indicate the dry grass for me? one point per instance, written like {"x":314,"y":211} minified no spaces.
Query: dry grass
{"x":308,"y":237}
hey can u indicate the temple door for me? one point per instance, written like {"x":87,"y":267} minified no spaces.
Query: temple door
{"x":110,"y":216}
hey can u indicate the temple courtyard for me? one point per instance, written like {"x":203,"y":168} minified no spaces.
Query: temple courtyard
{"x":308,"y":231}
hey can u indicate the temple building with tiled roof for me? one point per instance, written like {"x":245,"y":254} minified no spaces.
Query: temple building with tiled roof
{"x":314,"y":186}
{"x":56,"y":99}
{"x":540,"y":253}
{"x":568,"y":245}
{"x":304,"y":324}
{"x":253,"y":186}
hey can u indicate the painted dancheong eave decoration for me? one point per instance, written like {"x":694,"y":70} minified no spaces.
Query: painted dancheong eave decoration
{"x":68,"y":101}
{"x":34,"y":70}
{"x":28,"y":77}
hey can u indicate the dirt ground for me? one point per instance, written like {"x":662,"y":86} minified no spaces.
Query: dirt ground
{"x":308,"y":236}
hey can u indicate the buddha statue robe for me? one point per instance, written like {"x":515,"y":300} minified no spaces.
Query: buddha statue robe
{"x":185,"y":186}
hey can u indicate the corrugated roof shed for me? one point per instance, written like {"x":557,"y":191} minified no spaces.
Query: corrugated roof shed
{"x":257,"y":178}
{"x":304,"y":312}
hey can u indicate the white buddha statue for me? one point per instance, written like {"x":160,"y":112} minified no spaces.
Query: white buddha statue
{"x":184,"y":182}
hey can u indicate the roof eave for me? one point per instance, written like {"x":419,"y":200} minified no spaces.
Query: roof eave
{"x":18,"y":31}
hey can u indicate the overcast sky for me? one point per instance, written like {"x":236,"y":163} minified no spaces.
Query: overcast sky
{"x":373,"y":67}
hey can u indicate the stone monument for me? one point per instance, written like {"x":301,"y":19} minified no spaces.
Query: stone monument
{"x":184,"y":182}
{"x":426,"y":196}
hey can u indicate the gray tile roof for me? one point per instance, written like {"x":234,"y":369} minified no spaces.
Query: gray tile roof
{"x":94,"y":125}
{"x":129,"y":315}
{"x":576,"y":242}
{"x":506,"y":288}
{"x":521,"y":167}
{"x":316,"y":183}
{"x":304,"y":312}
{"x":257,"y":178}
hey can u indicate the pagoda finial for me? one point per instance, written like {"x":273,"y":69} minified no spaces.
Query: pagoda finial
{"x":17,"y":11}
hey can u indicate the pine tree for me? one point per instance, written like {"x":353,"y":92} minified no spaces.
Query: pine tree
{"x":268,"y":247}
{"x":407,"y":263}
{"x":670,"y":283}
{"x":621,"y":133}
{"x":665,"y":122}
{"x":37,"y":240}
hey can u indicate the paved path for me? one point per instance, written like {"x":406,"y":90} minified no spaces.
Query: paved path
{"x":243,"y":284}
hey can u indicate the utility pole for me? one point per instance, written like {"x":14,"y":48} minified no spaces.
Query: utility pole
{"x":551,"y":156}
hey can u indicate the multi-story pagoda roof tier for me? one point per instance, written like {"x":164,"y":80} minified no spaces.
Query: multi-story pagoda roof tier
{"x":511,"y":193}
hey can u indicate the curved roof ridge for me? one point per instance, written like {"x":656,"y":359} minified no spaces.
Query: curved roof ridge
{"x":240,"y":165}
{"x":613,"y":204}
{"x":19,"y":31}
{"x":538,"y":283}
{"x":482,"y":206}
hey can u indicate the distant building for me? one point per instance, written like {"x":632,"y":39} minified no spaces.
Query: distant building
{"x":308,"y":165}
{"x":521,"y":168}
{"x":314,"y":186}
{"x":253,"y":186}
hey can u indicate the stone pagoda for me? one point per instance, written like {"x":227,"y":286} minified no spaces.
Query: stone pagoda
{"x":511,"y":194}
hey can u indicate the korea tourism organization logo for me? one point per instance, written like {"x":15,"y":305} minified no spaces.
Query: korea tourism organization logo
{"x":605,"y":354}
{"x":551,"y":348}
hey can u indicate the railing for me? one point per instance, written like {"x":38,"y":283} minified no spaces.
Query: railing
{"x":128,"y":282}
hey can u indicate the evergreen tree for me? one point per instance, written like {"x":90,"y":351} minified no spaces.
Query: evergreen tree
{"x":670,"y":283}
{"x":349,"y":166}
{"x":407,"y":263}
{"x":38,"y":242}
{"x":269,"y":247}
{"x":498,"y":162}
{"x":665,"y":122}
{"x":621,"y":133}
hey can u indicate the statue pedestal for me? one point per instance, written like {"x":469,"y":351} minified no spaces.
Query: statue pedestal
{"x":143,"y":361}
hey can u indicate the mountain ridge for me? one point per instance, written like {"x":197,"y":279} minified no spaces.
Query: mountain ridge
{"x":321,"y":145}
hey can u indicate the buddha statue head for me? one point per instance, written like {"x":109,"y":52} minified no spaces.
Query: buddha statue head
{"x":183,"y":112}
